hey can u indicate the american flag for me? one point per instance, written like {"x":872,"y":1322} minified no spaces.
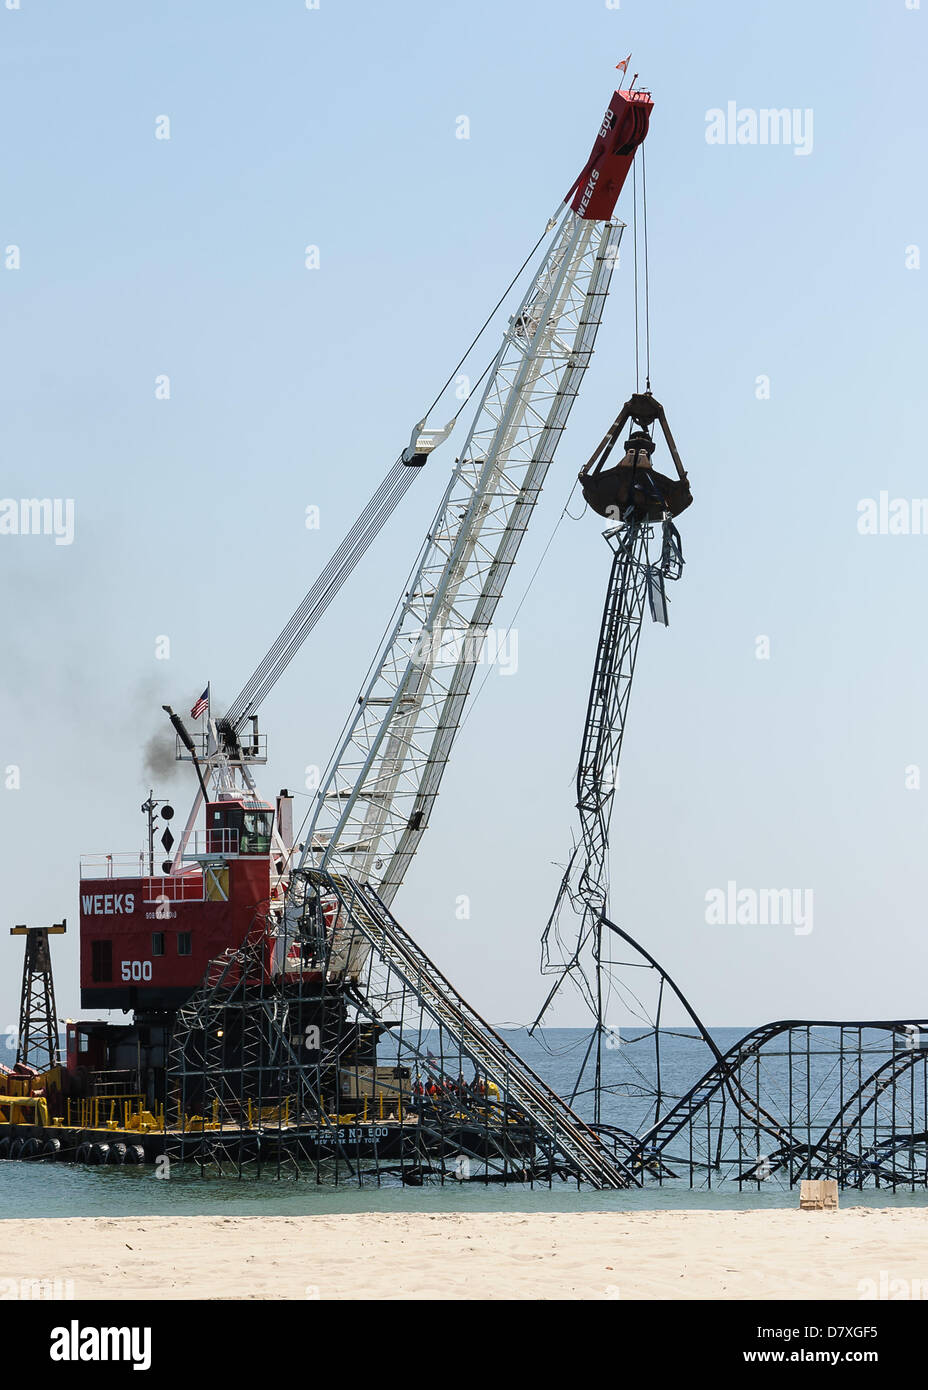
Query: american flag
{"x":200,"y":705}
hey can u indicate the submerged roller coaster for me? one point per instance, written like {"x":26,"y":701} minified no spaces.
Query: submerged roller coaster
{"x":282,"y":1021}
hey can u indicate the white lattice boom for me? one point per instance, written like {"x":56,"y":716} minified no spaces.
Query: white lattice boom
{"x":376,"y":798}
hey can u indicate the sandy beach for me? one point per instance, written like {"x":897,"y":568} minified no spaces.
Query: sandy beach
{"x":521,"y":1255}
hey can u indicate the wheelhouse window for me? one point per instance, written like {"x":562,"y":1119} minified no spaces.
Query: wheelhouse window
{"x":256,"y":833}
{"x":101,"y":962}
{"x":184,"y":943}
{"x":157,"y":943}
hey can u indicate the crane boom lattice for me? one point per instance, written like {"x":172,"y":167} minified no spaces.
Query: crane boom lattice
{"x":377,"y":796}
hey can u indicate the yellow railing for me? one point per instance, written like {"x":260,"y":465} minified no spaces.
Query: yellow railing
{"x":112,"y":1111}
{"x":268,"y":1114}
{"x":130,"y":1113}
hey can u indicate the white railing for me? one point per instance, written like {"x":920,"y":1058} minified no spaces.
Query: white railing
{"x":127,"y":865}
{"x":205,"y":842}
{"x":187,"y":887}
{"x":176,"y":888}
{"x":136,"y":864}
{"x":253,"y":747}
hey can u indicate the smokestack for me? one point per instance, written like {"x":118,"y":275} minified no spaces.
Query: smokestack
{"x":285,"y":818}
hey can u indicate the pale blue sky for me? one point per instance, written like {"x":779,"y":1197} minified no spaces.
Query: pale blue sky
{"x":293,"y":388}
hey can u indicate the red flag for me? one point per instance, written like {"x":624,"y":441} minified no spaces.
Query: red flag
{"x":623,"y":66}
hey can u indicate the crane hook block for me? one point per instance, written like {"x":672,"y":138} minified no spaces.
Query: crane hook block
{"x":598,"y":185}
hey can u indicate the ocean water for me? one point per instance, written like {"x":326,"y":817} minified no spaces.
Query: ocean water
{"x":630,"y":1072}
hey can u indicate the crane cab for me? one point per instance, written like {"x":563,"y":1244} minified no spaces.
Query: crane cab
{"x":239,"y":827}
